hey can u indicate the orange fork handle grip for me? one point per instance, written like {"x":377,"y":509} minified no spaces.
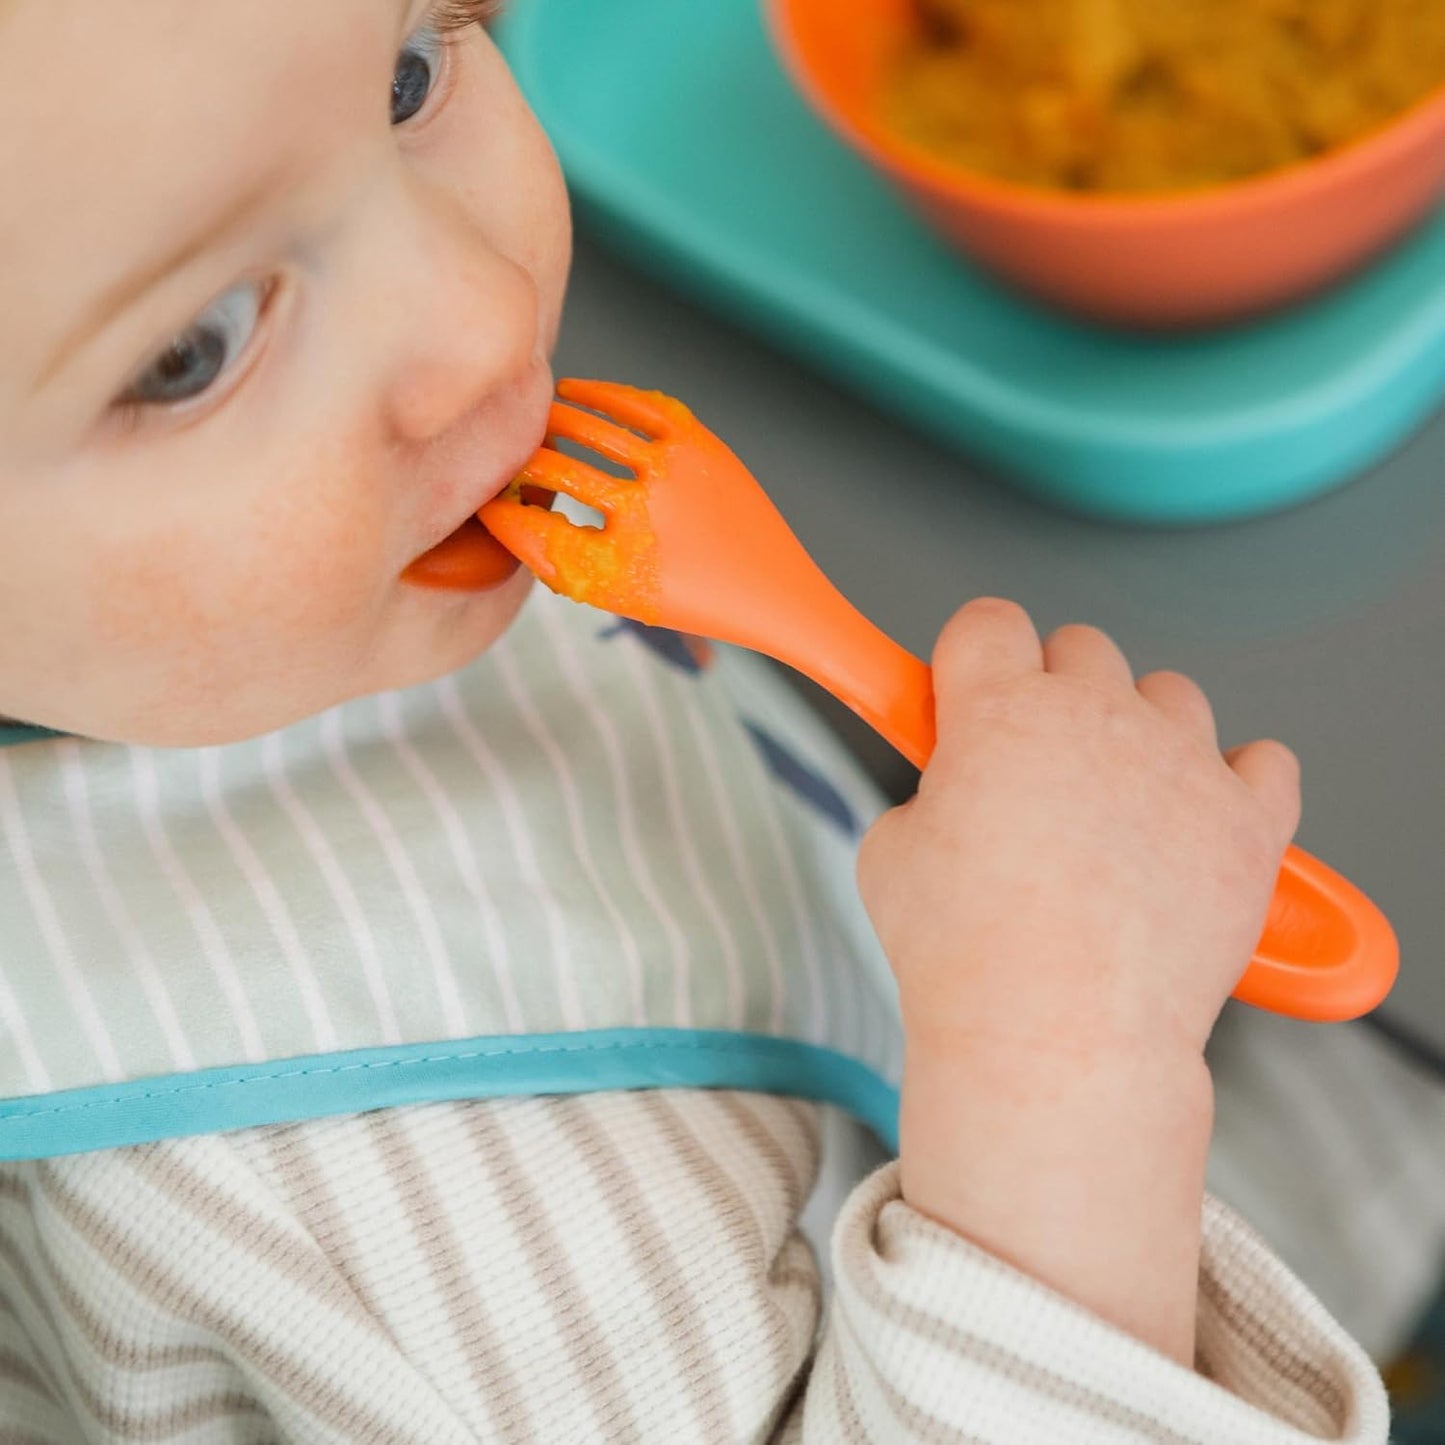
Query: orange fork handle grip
{"x":1327,"y":952}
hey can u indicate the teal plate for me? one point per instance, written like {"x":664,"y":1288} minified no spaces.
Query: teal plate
{"x":687,"y":149}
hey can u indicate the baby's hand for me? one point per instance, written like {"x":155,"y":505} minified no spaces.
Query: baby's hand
{"x":1081,"y":869}
{"x":1067,"y":903}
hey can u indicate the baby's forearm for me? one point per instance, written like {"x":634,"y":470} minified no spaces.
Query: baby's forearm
{"x":1084,"y":1170}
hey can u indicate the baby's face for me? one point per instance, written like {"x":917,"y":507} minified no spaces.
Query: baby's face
{"x":278,"y":286}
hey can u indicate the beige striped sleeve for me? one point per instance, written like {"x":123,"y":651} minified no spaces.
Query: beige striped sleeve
{"x":611,"y":1268}
{"x":931,"y":1339}
{"x":617,"y":1267}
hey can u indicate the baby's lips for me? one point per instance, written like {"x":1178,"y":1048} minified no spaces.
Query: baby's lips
{"x":471,"y":559}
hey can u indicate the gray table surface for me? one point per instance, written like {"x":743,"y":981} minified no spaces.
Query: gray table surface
{"x":1321,"y":625}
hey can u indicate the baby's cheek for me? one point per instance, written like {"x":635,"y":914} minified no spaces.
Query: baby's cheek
{"x":318,"y":570}
{"x":149,"y":591}
{"x":285,"y":570}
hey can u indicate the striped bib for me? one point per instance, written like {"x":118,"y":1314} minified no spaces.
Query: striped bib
{"x":602,"y":856}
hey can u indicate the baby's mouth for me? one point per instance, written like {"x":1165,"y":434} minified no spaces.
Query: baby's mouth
{"x":471,"y":559}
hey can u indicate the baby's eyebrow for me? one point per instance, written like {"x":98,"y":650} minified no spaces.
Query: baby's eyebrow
{"x":130,"y":288}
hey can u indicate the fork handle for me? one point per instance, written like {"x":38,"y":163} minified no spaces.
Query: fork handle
{"x":885,"y":684}
{"x":1327,"y":952}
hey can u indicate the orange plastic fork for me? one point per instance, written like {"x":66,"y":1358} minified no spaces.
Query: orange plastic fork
{"x":690,"y":541}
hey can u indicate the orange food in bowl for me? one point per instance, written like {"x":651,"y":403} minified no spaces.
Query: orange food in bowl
{"x":1144,"y":96}
{"x":1225,"y":249}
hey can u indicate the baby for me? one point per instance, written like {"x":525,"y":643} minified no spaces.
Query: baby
{"x":413,"y":1014}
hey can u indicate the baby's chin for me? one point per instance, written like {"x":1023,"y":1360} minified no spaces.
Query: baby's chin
{"x":429,"y":634}
{"x":439,"y":632}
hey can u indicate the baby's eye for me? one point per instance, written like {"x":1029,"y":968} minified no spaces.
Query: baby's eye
{"x":201,"y":354}
{"x":417,"y":69}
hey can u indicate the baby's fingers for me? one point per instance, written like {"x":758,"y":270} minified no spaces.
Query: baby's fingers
{"x":1272,"y":774}
{"x":1087,"y":654}
{"x":1182,"y":699}
{"x":986,"y":641}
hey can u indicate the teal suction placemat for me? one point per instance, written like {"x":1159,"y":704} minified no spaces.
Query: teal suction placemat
{"x":687,"y":149}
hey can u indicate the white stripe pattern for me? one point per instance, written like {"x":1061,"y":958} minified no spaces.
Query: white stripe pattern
{"x":268,"y":896}
{"x":454,"y":1009}
{"x":152,"y":981}
{"x":488,"y":915}
{"x":698,"y":876}
{"x":348,"y":905}
{"x":16,"y":1033}
{"x":213,"y":944}
{"x":524,"y":845}
{"x":637,"y":860}
{"x":61,"y":956}
{"x":511,"y":674}
{"x":742,"y":863}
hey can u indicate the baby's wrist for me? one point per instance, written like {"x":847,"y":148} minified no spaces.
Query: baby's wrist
{"x":1084,"y":1171}
{"x":1013,"y":1014}
{"x":1032,"y":1039}
{"x":1039,"y":1080}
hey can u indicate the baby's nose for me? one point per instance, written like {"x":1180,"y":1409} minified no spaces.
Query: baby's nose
{"x":469,"y":322}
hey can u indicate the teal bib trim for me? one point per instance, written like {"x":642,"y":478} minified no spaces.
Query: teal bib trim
{"x":110,"y":1116}
{"x":13,"y":734}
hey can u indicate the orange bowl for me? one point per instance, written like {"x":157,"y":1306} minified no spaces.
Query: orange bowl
{"x":1183,"y":259}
